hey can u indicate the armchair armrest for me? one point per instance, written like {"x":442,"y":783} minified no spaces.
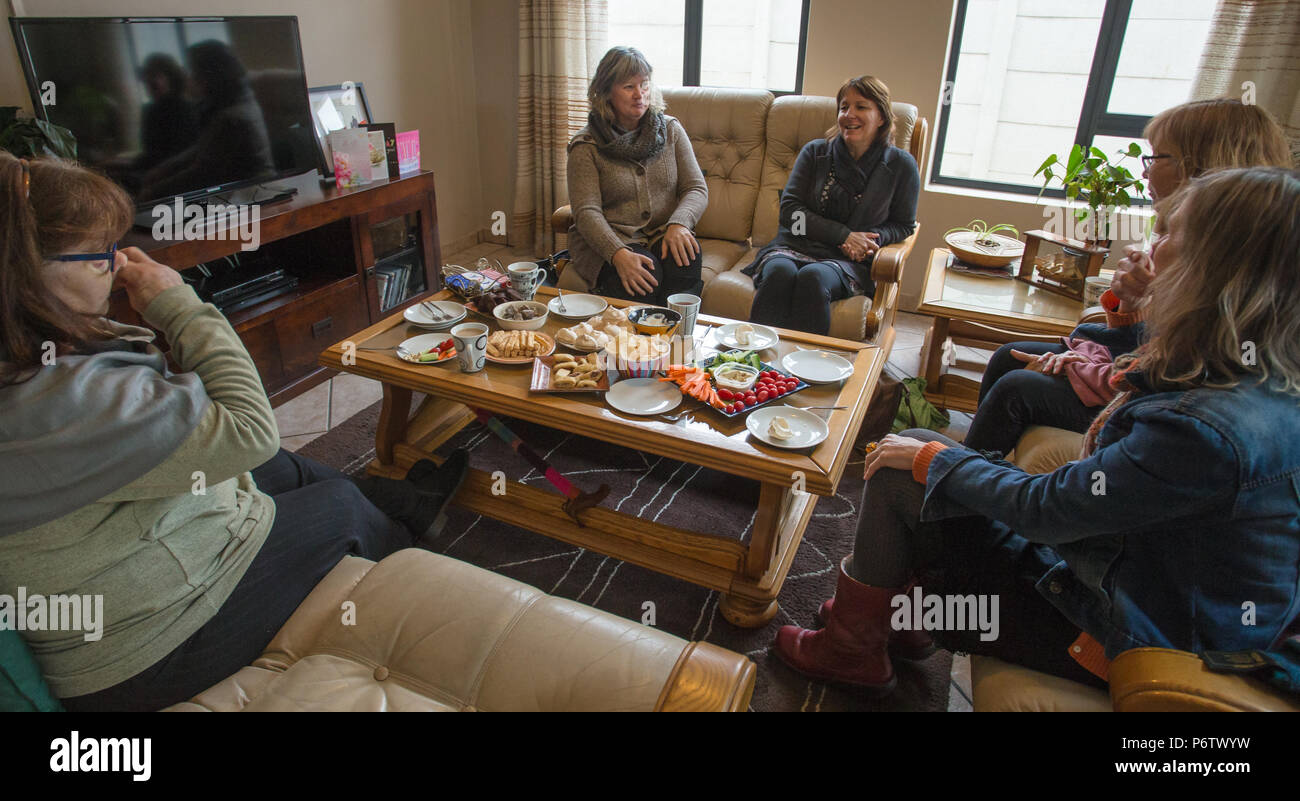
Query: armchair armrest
{"x":1165,"y":680}
{"x":562,"y":219}
{"x":887,"y":272}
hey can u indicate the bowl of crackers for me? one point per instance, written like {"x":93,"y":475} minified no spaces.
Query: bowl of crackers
{"x":521,"y":315}
{"x":518,"y":347}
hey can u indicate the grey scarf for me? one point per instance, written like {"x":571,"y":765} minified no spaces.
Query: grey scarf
{"x":640,"y":145}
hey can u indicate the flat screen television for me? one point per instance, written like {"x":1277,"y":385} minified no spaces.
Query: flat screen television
{"x":175,"y":106}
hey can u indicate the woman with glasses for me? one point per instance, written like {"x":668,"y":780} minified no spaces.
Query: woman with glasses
{"x":1064,"y":385}
{"x":165,"y":493}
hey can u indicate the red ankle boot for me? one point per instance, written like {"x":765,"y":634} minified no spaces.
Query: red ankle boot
{"x":913,"y":646}
{"x":853,"y":648}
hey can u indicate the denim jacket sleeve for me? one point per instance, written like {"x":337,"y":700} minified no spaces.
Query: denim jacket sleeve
{"x":798,"y":197}
{"x":1168,"y":466}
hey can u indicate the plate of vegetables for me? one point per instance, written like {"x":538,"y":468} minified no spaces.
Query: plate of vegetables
{"x":427,"y":349}
{"x":702,"y":383}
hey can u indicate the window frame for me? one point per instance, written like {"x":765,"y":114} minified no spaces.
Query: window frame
{"x":693,"y":47}
{"x":1094,"y":119}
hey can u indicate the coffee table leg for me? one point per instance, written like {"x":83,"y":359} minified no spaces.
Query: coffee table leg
{"x":393,"y":416}
{"x":754,"y":611}
{"x":935,"y":340}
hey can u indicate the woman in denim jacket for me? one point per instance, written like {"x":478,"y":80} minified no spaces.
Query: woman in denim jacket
{"x":1179,"y":528}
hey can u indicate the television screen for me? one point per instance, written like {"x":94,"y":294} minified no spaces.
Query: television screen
{"x":174,"y":106}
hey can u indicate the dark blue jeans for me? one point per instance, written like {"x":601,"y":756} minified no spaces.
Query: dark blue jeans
{"x":672,"y":278}
{"x":320,"y":517}
{"x":787,"y":295}
{"x":964,"y":556}
{"x":1012,"y":399}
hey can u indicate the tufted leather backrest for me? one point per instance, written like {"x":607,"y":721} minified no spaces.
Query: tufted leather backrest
{"x":794,"y":121}
{"x":726,"y":130}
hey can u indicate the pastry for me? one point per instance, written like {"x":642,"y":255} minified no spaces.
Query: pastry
{"x":779,"y":429}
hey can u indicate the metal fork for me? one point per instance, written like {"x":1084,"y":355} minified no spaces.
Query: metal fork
{"x":563,"y":310}
{"x":437,"y":314}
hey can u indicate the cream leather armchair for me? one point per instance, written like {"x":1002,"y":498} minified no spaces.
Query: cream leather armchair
{"x":423,"y":632}
{"x":746,"y":143}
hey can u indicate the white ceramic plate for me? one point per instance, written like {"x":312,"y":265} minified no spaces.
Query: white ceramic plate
{"x":580,"y":307}
{"x":644,"y":396}
{"x":417,"y":315}
{"x":420,"y":344}
{"x":817,"y":366}
{"x":808,"y":428}
{"x":763,"y":337}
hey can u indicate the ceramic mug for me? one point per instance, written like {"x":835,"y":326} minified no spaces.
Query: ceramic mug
{"x":688,"y":306}
{"x":526,"y":276}
{"x":471,"y":346}
{"x":1093,"y":288}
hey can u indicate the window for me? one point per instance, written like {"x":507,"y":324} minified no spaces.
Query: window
{"x":1028,"y":78}
{"x":732,"y":43}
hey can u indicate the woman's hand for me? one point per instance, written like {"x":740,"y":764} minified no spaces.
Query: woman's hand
{"x":860,"y":244}
{"x":635,"y":271}
{"x":1047,"y":363}
{"x":144,"y":279}
{"x":681,"y":242}
{"x":892,"y":451}
{"x":1132,"y":277}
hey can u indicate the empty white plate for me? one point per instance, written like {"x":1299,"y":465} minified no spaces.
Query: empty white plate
{"x":763,"y":337}
{"x":578,"y":307}
{"x":808,"y":429}
{"x":817,"y":366}
{"x":644,"y":396}
{"x":418,"y":315}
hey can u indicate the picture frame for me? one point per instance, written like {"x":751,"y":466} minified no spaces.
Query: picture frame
{"x":335,"y":107}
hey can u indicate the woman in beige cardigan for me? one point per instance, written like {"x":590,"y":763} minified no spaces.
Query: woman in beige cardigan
{"x":165,"y":494}
{"x":635,"y":188}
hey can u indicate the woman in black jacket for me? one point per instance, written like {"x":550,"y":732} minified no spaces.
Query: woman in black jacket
{"x":848,"y":196}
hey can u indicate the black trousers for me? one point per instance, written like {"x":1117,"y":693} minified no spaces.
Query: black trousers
{"x":673,"y":279}
{"x":790,"y":295}
{"x":965,"y":556}
{"x":320,"y":517}
{"x":1013,"y":398}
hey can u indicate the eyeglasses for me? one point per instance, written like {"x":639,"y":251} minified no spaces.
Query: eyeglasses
{"x":111,"y":256}
{"x":1147,"y":161}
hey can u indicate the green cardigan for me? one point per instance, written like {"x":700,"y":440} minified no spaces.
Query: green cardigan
{"x":163,"y":556}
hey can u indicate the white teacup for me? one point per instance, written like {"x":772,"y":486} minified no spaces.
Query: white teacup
{"x":526,"y":276}
{"x":1093,"y":288}
{"x":471,"y":346}
{"x":688,"y":306}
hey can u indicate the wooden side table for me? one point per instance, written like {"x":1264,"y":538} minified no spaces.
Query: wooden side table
{"x":983,"y":313}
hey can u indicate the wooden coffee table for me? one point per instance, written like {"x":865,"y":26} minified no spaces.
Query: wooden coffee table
{"x":982,"y":313}
{"x":749,"y":575}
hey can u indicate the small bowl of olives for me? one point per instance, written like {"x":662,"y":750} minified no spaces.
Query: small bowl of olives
{"x":521,"y":315}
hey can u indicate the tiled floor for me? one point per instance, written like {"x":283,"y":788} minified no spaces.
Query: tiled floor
{"x":315,"y":412}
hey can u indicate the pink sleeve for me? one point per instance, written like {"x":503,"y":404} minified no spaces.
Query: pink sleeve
{"x":1090,"y":379}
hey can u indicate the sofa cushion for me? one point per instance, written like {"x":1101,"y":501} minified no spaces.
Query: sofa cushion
{"x":726,"y":130}
{"x":718,"y":256}
{"x":1001,"y":687}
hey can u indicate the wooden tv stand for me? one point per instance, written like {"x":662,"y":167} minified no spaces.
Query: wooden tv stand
{"x":330,"y":239}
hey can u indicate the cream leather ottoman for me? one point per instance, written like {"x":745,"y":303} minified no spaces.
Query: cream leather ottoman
{"x":423,"y":632}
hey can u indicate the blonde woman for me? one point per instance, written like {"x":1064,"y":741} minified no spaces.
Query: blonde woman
{"x":1199,"y":454}
{"x":636,"y":189}
{"x":1064,"y":384}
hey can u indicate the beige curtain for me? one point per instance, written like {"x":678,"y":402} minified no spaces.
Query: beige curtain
{"x":560,"y":44}
{"x":1254,"y":52}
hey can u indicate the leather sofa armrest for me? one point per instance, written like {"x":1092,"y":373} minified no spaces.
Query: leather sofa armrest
{"x":562,"y":219}
{"x":1166,"y":680}
{"x":1093,"y":314}
{"x":890,"y":260}
{"x":707,"y":678}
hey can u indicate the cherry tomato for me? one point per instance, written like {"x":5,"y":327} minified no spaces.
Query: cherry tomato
{"x":763,"y":396}
{"x":751,"y":398}
{"x":738,"y":406}
{"x":725,"y":394}
{"x":730,"y":408}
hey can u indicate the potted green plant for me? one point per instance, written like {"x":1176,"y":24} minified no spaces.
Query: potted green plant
{"x":984,"y":245}
{"x":1089,"y":175}
{"x":27,"y":137}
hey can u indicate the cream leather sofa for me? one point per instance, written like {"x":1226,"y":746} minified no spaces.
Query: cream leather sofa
{"x":430,"y":633}
{"x":746,"y":142}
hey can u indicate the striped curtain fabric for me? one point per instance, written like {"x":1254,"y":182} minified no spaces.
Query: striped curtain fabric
{"x":1254,"y":53}
{"x":560,"y":44}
